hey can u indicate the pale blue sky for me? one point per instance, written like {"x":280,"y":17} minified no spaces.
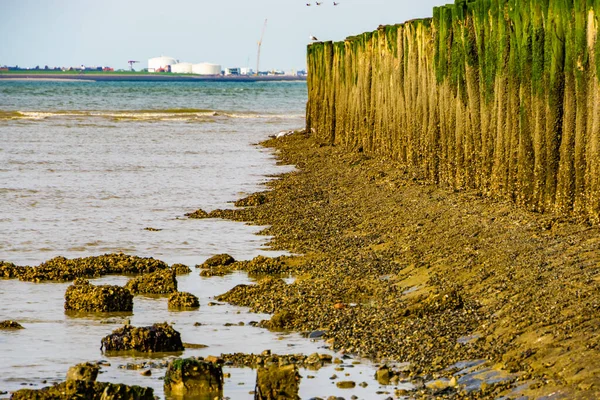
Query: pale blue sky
{"x":110,"y":32}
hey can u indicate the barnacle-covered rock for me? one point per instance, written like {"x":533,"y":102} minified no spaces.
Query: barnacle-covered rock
{"x":255,"y":199}
{"x":192,"y":377}
{"x":83,"y":372}
{"x":181,"y":269}
{"x":83,"y":296}
{"x":218,"y":260}
{"x":10,"y":271}
{"x":198,"y":214}
{"x":81,"y":389}
{"x":241,"y":360}
{"x":10,"y":325}
{"x":155,"y":338}
{"x":159,"y":282}
{"x":183,"y":300}
{"x":263,"y":265}
{"x":277,"y":383}
{"x":63,"y":269}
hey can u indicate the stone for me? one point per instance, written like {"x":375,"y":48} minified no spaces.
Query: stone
{"x":83,"y":296}
{"x":8,"y":324}
{"x":214,"y":360}
{"x":155,"y":338}
{"x":264,"y":265}
{"x":346,"y":384}
{"x":159,"y":282}
{"x":383,"y":375}
{"x":83,"y":372}
{"x":183,"y":300}
{"x":277,"y":383}
{"x":198,"y":214}
{"x":316,"y":334}
{"x":192,"y":377}
{"x":313,"y":359}
{"x":62,"y":269}
{"x":219,"y":260}
{"x":181,"y":269}
{"x":80,"y":389}
{"x":255,"y":199}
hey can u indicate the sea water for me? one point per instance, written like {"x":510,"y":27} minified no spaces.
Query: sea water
{"x":86,"y":167}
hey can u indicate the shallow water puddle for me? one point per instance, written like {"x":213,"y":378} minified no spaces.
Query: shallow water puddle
{"x":52,"y":340}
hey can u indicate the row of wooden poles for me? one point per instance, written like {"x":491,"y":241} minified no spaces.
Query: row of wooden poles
{"x":502,"y":96}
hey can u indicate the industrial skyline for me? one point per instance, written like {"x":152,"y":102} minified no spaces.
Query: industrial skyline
{"x":113,"y":32}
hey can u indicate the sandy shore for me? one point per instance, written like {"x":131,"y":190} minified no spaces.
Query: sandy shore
{"x":397,"y":269}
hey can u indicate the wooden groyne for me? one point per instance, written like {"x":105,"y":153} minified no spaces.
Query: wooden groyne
{"x":502,"y":96}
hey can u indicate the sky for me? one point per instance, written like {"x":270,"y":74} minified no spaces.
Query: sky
{"x":226,"y":32}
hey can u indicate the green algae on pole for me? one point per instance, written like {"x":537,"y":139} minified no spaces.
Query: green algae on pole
{"x":501,"y":96}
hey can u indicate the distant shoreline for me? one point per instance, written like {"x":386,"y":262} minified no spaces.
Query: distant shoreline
{"x":108,"y":77}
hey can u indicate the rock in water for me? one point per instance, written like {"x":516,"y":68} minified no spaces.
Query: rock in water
{"x":277,"y":383}
{"x":64,"y":270}
{"x":198,"y":214}
{"x":10,"y":325}
{"x":191,"y":377}
{"x":155,"y":338}
{"x":183,"y":300}
{"x":181,"y":269}
{"x":383,"y":375}
{"x":86,"y":390}
{"x":83,"y":296}
{"x":219,"y":260}
{"x":159,"y":282}
{"x":83,"y":372}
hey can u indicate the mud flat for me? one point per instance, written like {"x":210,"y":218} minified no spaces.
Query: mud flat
{"x":393,"y":268}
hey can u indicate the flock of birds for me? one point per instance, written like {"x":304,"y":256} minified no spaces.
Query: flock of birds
{"x":335,"y":3}
{"x":319,"y":3}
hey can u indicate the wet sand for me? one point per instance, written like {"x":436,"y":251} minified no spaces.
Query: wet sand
{"x":394,"y":268}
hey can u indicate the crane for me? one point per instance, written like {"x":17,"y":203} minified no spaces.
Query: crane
{"x":131,"y":62}
{"x":260,"y":44}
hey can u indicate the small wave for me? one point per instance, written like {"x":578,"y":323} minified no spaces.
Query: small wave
{"x":173,"y":115}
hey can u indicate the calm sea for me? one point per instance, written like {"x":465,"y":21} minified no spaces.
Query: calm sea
{"x":85,"y":167}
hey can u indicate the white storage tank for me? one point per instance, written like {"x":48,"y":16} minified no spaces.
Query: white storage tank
{"x":206,"y":69}
{"x":182,"y":68}
{"x":160,"y":63}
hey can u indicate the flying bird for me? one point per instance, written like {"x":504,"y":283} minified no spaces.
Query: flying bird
{"x":318,"y":3}
{"x":335,"y":4}
{"x":308,"y":4}
{"x":313,"y":38}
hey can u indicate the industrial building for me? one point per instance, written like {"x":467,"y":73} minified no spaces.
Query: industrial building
{"x":161,"y":64}
{"x":206,"y":69}
{"x":169,"y":64}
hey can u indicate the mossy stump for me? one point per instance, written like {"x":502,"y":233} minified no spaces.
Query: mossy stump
{"x":159,"y":282}
{"x":83,"y":296}
{"x":192,"y":377}
{"x":155,"y":338}
{"x":183,"y":300}
{"x":277,"y":383}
